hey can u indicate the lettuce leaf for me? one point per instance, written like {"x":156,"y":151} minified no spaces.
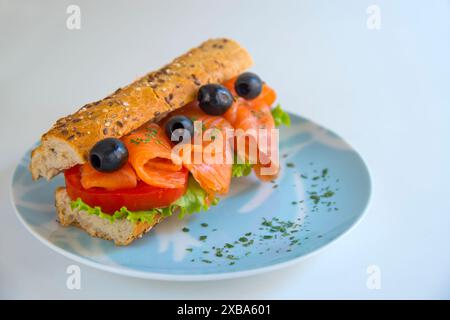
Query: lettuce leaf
{"x":133,"y":216}
{"x":194,"y":200}
{"x":280,"y":116}
{"x":240,"y":169}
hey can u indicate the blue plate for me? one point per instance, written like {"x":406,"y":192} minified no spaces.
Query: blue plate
{"x":321,"y":193}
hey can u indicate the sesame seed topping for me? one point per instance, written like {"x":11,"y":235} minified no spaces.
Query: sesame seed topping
{"x":126,"y":103}
{"x":107,"y":124}
{"x":105,"y":110}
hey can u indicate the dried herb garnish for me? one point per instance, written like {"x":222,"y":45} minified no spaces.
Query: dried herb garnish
{"x":290,"y":232}
{"x":290,"y":165}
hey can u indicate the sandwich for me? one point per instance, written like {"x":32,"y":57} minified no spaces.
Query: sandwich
{"x":122,"y":173}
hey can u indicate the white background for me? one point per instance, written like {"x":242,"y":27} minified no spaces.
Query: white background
{"x":387,"y":92}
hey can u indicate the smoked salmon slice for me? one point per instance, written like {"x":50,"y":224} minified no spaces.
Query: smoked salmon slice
{"x":124,"y":178}
{"x":210,"y":160}
{"x":150,"y":155}
{"x":250,"y":116}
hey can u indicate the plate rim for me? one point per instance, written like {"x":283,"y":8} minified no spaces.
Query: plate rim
{"x":191,"y":277}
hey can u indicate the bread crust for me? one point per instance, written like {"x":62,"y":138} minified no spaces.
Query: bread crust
{"x":122,"y":232}
{"x":149,"y":98}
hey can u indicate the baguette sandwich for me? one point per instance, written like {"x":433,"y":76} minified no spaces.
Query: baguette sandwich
{"x":117,"y":154}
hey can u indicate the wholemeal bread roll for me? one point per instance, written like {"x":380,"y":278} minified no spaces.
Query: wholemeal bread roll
{"x":149,"y":98}
{"x":121,"y":231}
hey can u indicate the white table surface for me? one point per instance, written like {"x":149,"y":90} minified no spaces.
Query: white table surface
{"x":387,"y":92}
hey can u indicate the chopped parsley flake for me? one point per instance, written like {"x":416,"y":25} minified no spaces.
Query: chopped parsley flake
{"x":290,"y":165}
{"x":274,"y":229}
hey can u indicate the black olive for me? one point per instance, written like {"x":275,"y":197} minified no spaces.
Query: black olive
{"x":214,"y":99}
{"x":248,"y":85}
{"x":179,"y":123}
{"x":108,"y":155}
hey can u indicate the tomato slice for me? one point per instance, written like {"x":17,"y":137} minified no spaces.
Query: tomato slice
{"x":142,"y":197}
